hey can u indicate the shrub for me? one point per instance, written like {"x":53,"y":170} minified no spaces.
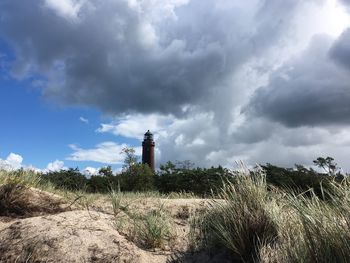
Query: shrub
{"x":70,"y":179}
{"x":138,"y":177}
{"x":298,"y":180}
{"x":99,"y":184}
{"x":184,"y":178}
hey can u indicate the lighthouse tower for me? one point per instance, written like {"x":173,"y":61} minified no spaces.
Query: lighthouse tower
{"x":148,"y":150}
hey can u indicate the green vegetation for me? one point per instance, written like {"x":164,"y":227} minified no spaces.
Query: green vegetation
{"x":21,"y":177}
{"x":150,"y":229}
{"x":181,"y":177}
{"x":270,"y":214}
{"x":137,"y":178}
{"x":240,"y":220}
{"x":153,"y":229}
{"x":70,"y":179}
{"x":16,"y":194}
{"x":254,"y":223}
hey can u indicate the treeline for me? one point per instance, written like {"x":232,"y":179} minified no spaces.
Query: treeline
{"x":184,"y":177}
{"x":139,"y":177}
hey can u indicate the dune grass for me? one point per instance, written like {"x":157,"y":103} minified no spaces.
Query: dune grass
{"x":149,"y":229}
{"x":20,"y":177}
{"x":253,"y":223}
{"x":154,"y":228}
{"x":19,"y":197}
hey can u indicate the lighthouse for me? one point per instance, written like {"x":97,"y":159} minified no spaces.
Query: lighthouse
{"x":148,"y":150}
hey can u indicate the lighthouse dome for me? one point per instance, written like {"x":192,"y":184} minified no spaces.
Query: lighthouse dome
{"x":148,"y":136}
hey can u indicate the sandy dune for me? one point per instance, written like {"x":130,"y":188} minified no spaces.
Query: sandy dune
{"x":68,"y":233}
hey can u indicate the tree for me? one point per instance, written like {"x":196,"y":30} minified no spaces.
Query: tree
{"x":183,"y":177}
{"x":138,"y":177}
{"x":135,"y":176}
{"x":106,"y":171}
{"x":130,"y":157}
{"x":327,"y":164}
{"x":99,"y":184}
{"x":70,"y":179}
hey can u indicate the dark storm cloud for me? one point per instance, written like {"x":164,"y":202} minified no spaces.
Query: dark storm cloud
{"x":346,"y":2}
{"x":311,"y":90}
{"x":122,"y":56}
{"x":341,"y":49}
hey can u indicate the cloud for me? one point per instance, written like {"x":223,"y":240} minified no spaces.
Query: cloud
{"x":12,"y":162}
{"x":340,"y":51}
{"x":253,"y":140}
{"x":143,"y":56}
{"x":106,"y":153}
{"x":33,"y":169}
{"x":134,"y":126}
{"x":346,"y":3}
{"x":310,"y":90}
{"x":84,"y":120}
{"x":15,"y":161}
{"x":180,"y":139}
{"x":55,"y":166}
{"x":90,"y":171}
{"x":216,"y":81}
{"x":68,"y":9}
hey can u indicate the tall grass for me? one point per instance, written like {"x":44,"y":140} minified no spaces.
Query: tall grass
{"x":240,"y":220}
{"x":254,"y":224}
{"x":323,"y":227}
{"x":20,"y":177}
{"x":17,"y":199}
{"x":156,"y":194}
{"x":149,"y":229}
{"x":154,"y":229}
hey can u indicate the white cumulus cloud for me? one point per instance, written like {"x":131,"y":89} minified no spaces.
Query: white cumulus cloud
{"x":90,"y":171}
{"x":57,"y":165}
{"x":106,"y":153}
{"x":12,"y":162}
{"x":134,"y":126}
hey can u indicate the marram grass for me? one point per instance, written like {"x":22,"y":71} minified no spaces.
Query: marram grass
{"x":255,"y":223}
{"x":20,"y":177}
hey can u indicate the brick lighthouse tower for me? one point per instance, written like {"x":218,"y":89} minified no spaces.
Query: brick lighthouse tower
{"x":148,"y":150}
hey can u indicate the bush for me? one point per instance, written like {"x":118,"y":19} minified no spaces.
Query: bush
{"x":99,"y":184}
{"x":70,"y":179}
{"x":183,"y":178}
{"x":299,"y":180}
{"x":138,"y":177}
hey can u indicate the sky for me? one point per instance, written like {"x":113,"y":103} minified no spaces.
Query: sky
{"x":216,"y":81}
